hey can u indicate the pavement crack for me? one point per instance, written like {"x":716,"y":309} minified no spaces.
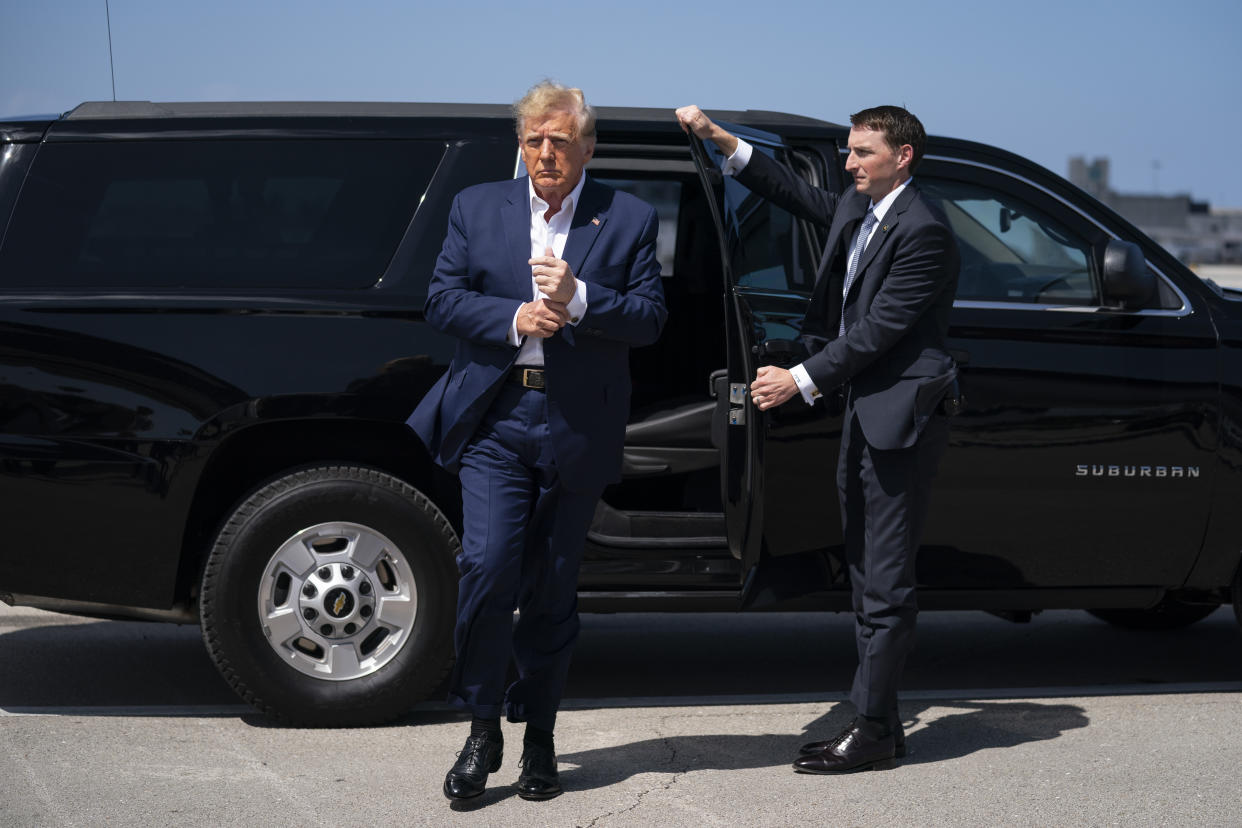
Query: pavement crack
{"x":666,"y":784}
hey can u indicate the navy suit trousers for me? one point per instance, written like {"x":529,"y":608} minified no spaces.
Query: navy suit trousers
{"x":522,"y":541}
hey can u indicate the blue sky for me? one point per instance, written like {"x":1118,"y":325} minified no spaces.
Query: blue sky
{"x":1155,"y":86}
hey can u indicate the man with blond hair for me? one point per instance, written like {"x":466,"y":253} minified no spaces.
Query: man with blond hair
{"x":546,"y":281}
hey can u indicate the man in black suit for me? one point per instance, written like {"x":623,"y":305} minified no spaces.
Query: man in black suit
{"x":875,"y":329}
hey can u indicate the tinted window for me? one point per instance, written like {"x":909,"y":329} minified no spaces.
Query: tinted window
{"x":1011,"y":251}
{"x":665,"y":196}
{"x":226,"y":214}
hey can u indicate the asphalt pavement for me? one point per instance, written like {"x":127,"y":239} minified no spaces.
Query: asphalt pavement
{"x":682,"y":720}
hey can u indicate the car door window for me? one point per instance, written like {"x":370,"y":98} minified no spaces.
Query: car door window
{"x":1011,"y":250}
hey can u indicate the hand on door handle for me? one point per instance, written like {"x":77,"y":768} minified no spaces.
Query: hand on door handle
{"x":772,"y":387}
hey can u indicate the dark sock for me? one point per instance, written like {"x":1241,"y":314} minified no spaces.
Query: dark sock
{"x":875,"y":727}
{"x":538,"y":736}
{"x":491,"y":727}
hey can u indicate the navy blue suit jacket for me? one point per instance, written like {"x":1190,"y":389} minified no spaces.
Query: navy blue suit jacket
{"x":481,"y":278}
{"x":893,"y":354}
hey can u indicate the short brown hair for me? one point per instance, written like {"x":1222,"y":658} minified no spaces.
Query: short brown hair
{"x":899,"y":126}
{"x":550,"y":96}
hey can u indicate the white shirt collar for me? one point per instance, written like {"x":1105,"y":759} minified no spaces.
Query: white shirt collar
{"x":881,"y":207}
{"x":538,"y":205}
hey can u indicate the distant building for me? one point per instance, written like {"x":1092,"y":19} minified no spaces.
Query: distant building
{"x":1189,"y":229}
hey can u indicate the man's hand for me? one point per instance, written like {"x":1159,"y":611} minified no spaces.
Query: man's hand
{"x":693,"y":120}
{"x":553,"y":277}
{"x":541,"y":318}
{"x":772,"y":386}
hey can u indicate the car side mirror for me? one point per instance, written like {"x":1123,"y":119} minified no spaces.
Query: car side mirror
{"x":1128,"y":284}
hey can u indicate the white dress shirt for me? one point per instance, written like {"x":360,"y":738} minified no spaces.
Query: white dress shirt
{"x":737,"y":162}
{"x":545,"y":234}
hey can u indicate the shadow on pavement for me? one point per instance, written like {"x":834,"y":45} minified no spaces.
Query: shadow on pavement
{"x":108,"y":663}
{"x":59,"y":661}
{"x":979,"y":726}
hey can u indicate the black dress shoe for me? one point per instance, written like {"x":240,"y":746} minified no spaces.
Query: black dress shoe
{"x":853,"y":750}
{"x":539,"y":779}
{"x":468,"y":776}
{"x":899,"y":741}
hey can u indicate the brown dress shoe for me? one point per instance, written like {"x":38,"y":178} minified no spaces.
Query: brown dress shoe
{"x":899,"y":741}
{"x":853,"y":750}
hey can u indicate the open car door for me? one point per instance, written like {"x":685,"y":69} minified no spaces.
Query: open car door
{"x":778,"y":468}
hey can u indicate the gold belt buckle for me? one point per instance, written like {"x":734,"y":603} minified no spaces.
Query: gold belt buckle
{"x":532,"y":377}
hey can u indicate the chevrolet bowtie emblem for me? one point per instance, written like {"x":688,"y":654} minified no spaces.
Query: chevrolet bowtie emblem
{"x":338,"y":606}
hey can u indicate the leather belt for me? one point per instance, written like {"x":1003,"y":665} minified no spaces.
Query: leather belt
{"x":531,"y":378}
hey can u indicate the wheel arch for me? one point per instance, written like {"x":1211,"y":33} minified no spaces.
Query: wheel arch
{"x":254,"y":455}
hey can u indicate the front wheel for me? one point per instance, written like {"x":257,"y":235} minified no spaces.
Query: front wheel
{"x":328,"y":597}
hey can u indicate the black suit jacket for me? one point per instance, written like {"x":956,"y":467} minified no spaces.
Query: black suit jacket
{"x":893,"y":354}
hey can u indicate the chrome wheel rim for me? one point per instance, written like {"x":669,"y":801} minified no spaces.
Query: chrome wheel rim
{"x":337,"y":601}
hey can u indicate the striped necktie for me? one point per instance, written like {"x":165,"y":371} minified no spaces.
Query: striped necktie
{"x":851,"y":269}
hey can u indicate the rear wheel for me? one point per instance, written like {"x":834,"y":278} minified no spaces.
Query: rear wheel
{"x":328,"y":597}
{"x":1167,"y":615}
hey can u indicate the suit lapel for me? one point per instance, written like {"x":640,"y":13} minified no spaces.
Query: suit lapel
{"x":844,"y":225}
{"x":589,"y":219}
{"x":590,"y":216}
{"x":887,"y":225}
{"x":515,"y":215}
{"x":824,"y":310}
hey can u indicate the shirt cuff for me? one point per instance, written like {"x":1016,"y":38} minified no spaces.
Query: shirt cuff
{"x":737,"y":162}
{"x":513,"y":338}
{"x":809,"y":392}
{"x":578,"y":304}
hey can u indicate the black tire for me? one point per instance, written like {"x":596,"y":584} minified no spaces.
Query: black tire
{"x":1168,"y":615}
{"x":316,"y":531}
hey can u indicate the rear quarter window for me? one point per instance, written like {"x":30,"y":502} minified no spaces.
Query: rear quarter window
{"x":214,"y":215}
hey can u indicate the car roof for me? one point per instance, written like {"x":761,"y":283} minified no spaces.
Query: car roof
{"x":151,"y":120}
{"x":94,"y":120}
{"x":111,"y":110}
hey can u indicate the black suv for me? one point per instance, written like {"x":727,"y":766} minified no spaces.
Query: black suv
{"x":211,"y":334}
